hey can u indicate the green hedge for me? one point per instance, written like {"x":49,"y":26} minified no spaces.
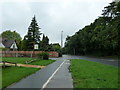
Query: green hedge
{"x":43,"y":55}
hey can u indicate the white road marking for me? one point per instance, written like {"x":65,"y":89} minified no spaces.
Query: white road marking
{"x":67,"y":63}
{"x":52,"y":76}
{"x":111,"y":60}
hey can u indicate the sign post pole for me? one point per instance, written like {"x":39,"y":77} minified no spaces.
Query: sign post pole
{"x":35,"y":48}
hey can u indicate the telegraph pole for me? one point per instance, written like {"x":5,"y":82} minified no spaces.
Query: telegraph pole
{"x":61,"y":39}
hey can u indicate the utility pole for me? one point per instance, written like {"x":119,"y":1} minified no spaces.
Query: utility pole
{"x":61,"y":39}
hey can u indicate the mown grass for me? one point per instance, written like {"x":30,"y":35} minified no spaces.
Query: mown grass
{"x":16,"y":59}
{"x":88,"y":74}
{"x":23,"y":60}
{"x":42,"y":62}
{"x":14,"y":74}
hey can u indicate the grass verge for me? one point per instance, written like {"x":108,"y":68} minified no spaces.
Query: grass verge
{"x":14,"y":74}
{"x":42,"y":62}
{"x":16,"y":59}
{"x":88,"y":74}
{"x":23,"y":60}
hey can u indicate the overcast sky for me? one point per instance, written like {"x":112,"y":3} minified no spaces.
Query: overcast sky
{"x":53,"y":16}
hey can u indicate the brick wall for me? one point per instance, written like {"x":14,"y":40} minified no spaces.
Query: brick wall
{"x":26,"y":53}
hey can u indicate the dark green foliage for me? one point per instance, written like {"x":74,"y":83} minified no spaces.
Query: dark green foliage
{"x":23,"y":44}
{"x":43,"y":55}
{"x":32,"y":37}
{"x":11,"y":35}
{"x":100,"y":37}
{"x":56,"y":47}
{"x":44,"y":44}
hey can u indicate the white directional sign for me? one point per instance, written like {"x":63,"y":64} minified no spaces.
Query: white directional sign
{"x":36,"y":46}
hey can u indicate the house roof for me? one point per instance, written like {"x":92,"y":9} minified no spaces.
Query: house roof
{"x":7,"y":43}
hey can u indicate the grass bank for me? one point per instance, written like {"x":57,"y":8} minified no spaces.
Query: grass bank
{"x":42,"y":62}
{"x":16,"y":59}
{"x":11,"y":75}
{"x":14,"y":74}
{"x":22,"y":60}
{"x":88,"y":74}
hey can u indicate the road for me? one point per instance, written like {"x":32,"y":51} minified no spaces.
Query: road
{"x":112,"y":62}
{"x":57,"y":75}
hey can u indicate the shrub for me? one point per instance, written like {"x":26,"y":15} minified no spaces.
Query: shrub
{"x":2,"y":49}
{"x":44,"y":55}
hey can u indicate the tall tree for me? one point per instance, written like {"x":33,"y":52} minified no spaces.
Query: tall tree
{"x":33,"y":35}
{"x":44,"y":44}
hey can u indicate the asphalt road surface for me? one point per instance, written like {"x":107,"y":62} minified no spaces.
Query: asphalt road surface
{"x":56,"y":75}
{"x":113,"y":62}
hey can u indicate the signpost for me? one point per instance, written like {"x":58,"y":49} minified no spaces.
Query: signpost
{"x":36,"y":46}
{"x":61,"y":39}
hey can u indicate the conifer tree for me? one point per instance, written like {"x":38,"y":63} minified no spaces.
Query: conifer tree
{"x":33,"y":35}
{"x":44,"y":43}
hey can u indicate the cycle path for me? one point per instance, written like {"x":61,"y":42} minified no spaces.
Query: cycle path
{"x":57,"y":71}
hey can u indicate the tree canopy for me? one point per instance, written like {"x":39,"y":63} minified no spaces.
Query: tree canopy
{"x":100,"y":37}
{"x":44,"y":44}
{"x":11,"y":35}
{"x":32,"y":37}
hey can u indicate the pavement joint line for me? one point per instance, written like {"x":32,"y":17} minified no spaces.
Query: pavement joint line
{"x":52,"y":76}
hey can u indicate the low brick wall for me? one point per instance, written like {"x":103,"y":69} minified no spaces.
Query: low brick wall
{"x":26,"y":53}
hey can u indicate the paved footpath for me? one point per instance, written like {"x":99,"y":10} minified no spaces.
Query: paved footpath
{"x":62,"y":79}
{"x":55,"y":75}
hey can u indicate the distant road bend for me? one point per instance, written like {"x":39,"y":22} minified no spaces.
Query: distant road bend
{"x":112,"y":62}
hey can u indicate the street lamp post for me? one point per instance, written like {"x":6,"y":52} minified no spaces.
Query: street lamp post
{"x":61,"y":39}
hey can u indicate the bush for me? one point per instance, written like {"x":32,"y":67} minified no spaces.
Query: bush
{"x":44,"y":55}
{"x":2,"y":49}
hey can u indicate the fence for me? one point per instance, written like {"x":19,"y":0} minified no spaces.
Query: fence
{"x":26,"y":53}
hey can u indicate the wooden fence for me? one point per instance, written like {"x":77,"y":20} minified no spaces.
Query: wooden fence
{"x":26,"y":53}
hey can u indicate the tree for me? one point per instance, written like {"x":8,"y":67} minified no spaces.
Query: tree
{"x":11,"y":35}
{"x":23,"y":44}
{"x":100,"y":37}
{"x":33,"y":35}
{"x":44,"y":44}
{"x":56,"y":47}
